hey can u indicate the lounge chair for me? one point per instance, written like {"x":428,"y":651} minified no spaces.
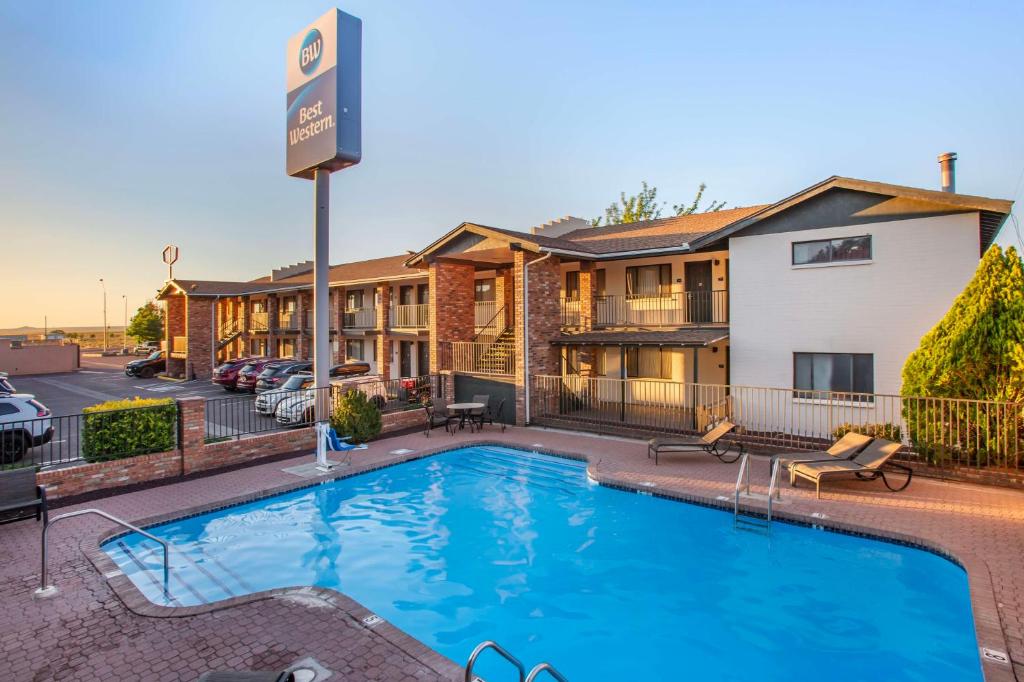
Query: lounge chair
{"x":708,"y":444}
{"x":18,"y":490}
{"x":866,"y":466}
{"x":438,"y":416}
{"x":846,"y":447}
{"x":241,"y":676}
{"x":489,"y":415}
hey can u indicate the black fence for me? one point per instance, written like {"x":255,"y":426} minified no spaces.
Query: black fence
{"x":277,"y":410}
{"x":89,"y":437}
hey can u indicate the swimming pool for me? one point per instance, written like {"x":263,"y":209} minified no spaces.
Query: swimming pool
{"x":494,"y":543}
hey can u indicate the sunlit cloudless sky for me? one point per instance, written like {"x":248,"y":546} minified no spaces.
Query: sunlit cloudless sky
{"x":130,"y":125}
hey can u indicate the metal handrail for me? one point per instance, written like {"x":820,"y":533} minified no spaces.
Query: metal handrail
{"x":744,"y":469}
{"x":773,"y":487}
{"x":546,"y":667}
{"x":491,"y":644}
{"x":490,"y":323}
{"x":46,"y":590}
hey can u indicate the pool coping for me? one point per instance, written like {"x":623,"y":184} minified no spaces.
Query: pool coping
{"x":988,"y":629}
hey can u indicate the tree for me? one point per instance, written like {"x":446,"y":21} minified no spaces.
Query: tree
{"x":644,"y":206}
{"x":148,"y":323}
{"x":357,"y":417}
{"x":975,"y":352}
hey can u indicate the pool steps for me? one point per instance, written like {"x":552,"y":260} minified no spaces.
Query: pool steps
{"x":520,"y":668}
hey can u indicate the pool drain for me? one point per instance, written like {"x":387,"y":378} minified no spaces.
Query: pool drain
{"x":995,"y":656}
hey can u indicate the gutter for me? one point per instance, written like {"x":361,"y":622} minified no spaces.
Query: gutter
{"x":613,"y":255}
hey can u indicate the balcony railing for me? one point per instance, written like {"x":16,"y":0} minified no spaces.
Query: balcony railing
{"x":410,"y":316}
{"x":259,"y":321}
{"x":937,"y":432}
{"x":665,"y":310}
{"x":475,"y":357}
{"x":308,"y":324}
{"x":179,"y":347}
{"x":359,"y":318}
{"x":485,"y":311}
{"x":288,"y":320}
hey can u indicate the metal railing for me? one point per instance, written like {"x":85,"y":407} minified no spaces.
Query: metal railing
{"x":307,"y":322}
{"x":410,"y":316}
{"x":667,"y":310}
{"x":288,"y":320}
{"x":231,"y":326}
{"x":276,"y":410}
{"x":359,"y":318}
{"x":942,"y":432}
{"x":259,"y":321}
{"x":48,"y":590}
{"x":479,"y":357}
{"x":549,"y":669}
{"x":501,"y":651}
{"x":484,"y":312}
{"x":96,"y":436}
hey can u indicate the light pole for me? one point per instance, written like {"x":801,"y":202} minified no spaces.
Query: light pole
{"x":124,"y":336}
{"x":102,"y":284}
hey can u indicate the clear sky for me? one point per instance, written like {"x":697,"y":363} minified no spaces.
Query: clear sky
{"x":128,"y":125}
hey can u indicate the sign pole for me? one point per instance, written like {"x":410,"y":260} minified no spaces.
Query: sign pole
{"x":321,"y":335}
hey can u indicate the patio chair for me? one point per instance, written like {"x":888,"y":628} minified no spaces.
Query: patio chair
{"x":866,"y":466}
{"x":476,"y":416}
{"x":18,"y":490}
{"x":846,"y":447}
{"x":490,"y":415}
{"x":339,"y":444}
{"x":438,"y":416}
{"x":709,"y":444}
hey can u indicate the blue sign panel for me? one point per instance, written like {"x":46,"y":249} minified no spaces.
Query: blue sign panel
{"x":324,"y":95}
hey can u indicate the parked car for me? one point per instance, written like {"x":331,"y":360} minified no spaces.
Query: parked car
{"x":226,"y":373}
{"x":267,"y":401}
{"x":5,"y":384}
{"x":298,"y":410}
{"x":250,"y":372}
{"x":147,"y":348}
{"x":147,"y":367}
{"x":24,"y":423}
{"x":276,"y":374}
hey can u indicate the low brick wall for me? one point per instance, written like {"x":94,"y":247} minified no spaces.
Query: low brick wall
{"x":399,"y":421}
{"x":240,"y":450}
{"x":116,"y":473}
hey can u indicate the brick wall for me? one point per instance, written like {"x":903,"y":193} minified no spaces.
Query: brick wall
{"x":385,"y":346}
{"x":174,"y":308}
{"x":113,"y":474}
{"x":199,"y":328}
{"x":451,"y":305}
{"x":545,"y":322}
{"x":273,"y":308}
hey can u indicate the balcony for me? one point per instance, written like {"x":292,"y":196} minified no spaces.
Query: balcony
{"x":410,"y":316}
{"x":332,"y":321}
{"x":666,"y":310}
{"x":259,"y":321}
{"x":496,"y":358}
{"x":179,"y":347}
{"x":359,"y":318}
{"x":484,"y":312}
{"x":288,"y":320}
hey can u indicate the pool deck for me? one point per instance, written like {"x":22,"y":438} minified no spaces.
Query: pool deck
{"x":99,"y":628}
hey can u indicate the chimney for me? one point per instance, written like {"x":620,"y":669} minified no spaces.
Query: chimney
{"x":947,"y":164}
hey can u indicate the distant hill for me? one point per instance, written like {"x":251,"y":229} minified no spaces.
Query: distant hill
{"x":27,"y":330}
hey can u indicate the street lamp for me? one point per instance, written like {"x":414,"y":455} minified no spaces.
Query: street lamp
{"x":124,"y":336}
{"x":102,"y":284}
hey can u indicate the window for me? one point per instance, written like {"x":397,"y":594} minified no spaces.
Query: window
{"x":8,"y":408}
{"x":648,"y":363}
{"x":354,"y":300}
{"x":601,"y":279}
{"x":832,"y":250}
{"x":649,"y":280}
{"x":290,"y":304}
{"x":286,"y":348}
{"x":353,"y":349}
{"x":840,"y":372}
{"x":405,"y":295}
{"x":600,"y":359}
{"x":483,"y":290}
{"x":572,"y":285}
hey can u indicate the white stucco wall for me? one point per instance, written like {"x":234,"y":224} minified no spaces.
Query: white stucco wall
{"x":882,"y":307}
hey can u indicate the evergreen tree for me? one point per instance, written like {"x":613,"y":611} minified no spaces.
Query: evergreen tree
{"x":147,"y":324}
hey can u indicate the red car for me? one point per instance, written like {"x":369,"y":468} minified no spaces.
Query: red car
{"x":226,"y":374}
{"x":249,"y":373}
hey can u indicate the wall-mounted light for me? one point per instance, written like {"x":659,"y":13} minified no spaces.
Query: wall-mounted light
{"x":717,"y":262}
{"x":714,"y":349}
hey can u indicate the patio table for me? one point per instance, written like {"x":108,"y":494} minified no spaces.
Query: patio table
{"x":463,"y":409}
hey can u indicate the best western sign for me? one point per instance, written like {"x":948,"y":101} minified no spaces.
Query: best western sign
{"x":324,"y":95}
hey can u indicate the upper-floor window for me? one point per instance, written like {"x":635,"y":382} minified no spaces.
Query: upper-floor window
{"x":354,"y":299}
{"x":835,"y":372}
{"x":832,"y":250}
{"x":649,"y":280}
{"x":483,"y":290}
{"x":572,"y":285}
{"x":602,"y":279}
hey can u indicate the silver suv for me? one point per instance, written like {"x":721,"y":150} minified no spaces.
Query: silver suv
{"x":24,"y":423}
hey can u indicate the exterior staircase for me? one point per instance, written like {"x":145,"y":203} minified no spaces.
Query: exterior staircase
{"x":499,"y":357}
{"x":229,"y":331}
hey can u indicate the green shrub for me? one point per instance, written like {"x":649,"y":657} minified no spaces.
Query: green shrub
{"x":355,"y":416}
{"x":887,"y":431}
{"x":125,"y":428}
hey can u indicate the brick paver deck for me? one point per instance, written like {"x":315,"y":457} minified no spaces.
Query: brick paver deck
{"x":95,"y":629}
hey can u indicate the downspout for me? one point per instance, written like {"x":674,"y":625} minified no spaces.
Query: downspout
{"x":526,"y":328}
{"x":213,"y":332}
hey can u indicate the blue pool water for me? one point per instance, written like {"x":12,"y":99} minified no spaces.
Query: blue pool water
{"x":492,"y":543}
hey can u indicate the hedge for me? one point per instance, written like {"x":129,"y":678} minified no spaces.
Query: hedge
{"x":356,"y":416}
{"x":126,"y":428}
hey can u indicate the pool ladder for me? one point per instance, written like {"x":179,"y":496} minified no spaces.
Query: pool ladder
{"x":748,"y":521}
{"x":504,"y":653}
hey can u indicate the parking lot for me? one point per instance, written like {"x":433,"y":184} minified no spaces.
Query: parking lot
{"x":102,"y":379}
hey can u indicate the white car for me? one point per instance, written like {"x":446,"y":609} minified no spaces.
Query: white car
{"x":24,"y":423}
{"x":267,"y":401}
{"x":297,"y":410}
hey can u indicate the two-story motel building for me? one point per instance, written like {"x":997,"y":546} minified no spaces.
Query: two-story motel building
{"x":828,"y":289}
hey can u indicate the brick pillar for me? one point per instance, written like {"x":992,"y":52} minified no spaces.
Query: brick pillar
{"x":545,"y":281}
{"x":199,"y":320}
{"x":174,"y":310}
{"x":273,"y":308}
{"x":451,"y":306}
{"x":304,"y":341}
{"x":242,"y":308}
{"x":192,"y":438}
{"x":384,"y":343}
{"x":588,"y":295}
{"x":504,"y":293}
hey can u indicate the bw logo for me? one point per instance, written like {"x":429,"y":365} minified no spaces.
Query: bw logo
{"x":309,"y":53}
